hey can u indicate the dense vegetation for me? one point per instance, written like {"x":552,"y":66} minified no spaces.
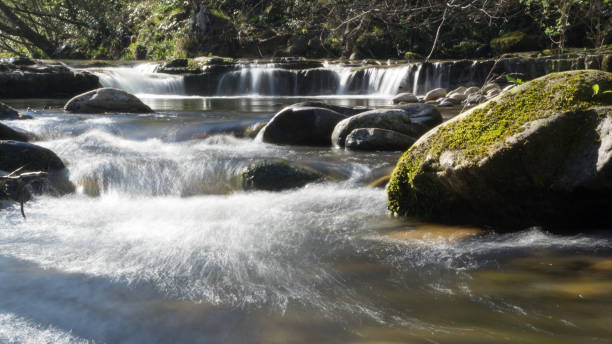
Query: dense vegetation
{"x":159,"y":29}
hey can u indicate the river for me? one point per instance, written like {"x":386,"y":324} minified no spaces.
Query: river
{"x":159,"y":245}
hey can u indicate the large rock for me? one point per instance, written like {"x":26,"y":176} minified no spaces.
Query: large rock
{"x":411,"y":119}
{"x":31,"y":158}
{"x":8,"y":113}
{"x":276,"y":175}
{"x":539,"y":154}
{"x":7,"y":133}
{"x":106,"y":100}
{"x":43,"y":81}
{"x":378,"y":139}
{"x":295,"y":125}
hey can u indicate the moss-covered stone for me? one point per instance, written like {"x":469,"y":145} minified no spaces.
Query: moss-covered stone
{"x":513,"y":42}
{"x":506,"y":156}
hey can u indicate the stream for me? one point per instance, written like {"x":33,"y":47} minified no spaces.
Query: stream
{"x":158,"y":245}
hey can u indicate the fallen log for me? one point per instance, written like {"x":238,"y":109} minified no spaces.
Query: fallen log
{"x":17,"y":186}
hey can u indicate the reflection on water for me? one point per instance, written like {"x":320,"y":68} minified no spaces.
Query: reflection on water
{"x":166,"y":250}
{"x":252,"y":104}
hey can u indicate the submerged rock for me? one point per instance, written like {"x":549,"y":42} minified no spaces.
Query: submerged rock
{"x":412,"y":120}
{"x":252,"y":130}
{"x":32,"y":158}
{"x":276,"y":175}
{"x":378,"y":139}
{"x":538,"y":154}
{"x":106,"y":100}
{"x":296,"y":125}
{"x":8,"y":113}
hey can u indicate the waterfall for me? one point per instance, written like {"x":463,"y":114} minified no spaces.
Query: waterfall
{"x":269,"y":80}
{"x":140,"y":79}
{"x":386,"y":81}
{"x":258,"y":79}
{"x":427,"y":76}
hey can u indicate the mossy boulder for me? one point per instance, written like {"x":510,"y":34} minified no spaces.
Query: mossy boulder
{"x":276,"y":175}
{"x":538,"y":154}
{"x":514,"y":42}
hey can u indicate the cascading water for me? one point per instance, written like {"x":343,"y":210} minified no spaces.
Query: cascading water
{"x":140,"y":79}
{"x":270,"y":80}
{"x":257,"y":79}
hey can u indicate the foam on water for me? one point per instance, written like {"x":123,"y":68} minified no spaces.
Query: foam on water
{"x":248,"y":248}
{"x":14,"y":329}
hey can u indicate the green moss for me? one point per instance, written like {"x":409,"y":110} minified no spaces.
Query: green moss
{"x":512,"y":42}
{"x":409,"y":55}
{"x":475,"y":134}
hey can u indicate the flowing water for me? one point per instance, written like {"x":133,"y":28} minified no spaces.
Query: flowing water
{"x":159,"y":245}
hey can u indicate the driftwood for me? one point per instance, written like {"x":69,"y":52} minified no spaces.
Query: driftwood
{"x":16,"y":186}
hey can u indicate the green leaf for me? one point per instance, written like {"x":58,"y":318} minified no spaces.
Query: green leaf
{"x":595,"y":89}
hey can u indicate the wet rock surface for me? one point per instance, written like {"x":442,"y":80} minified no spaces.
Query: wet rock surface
{"x":28,"y":157}
{"x":412,"y":120}
{"x":301,"y":125}
{"x":39,"y":80}
{"x":372,"y":139}
{"x":276,"y":175}
{"x":106,"y":100}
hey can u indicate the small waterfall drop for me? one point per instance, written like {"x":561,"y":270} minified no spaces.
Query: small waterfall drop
{"x":140,"y":79}
{"x":258,"y":79}
{"x":331,"y":80}
{"x":386,"y":81}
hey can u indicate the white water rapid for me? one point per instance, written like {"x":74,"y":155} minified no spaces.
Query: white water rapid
{"x":140,"y":79}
